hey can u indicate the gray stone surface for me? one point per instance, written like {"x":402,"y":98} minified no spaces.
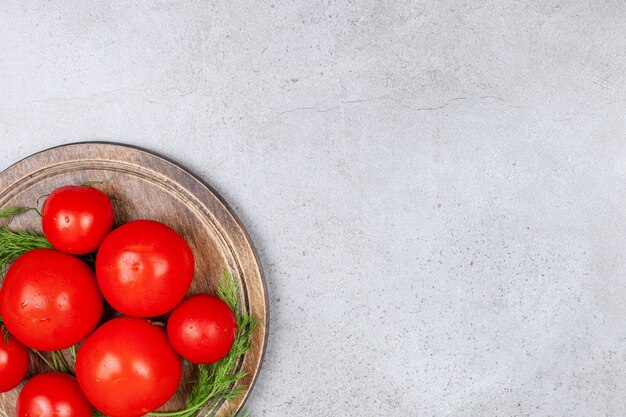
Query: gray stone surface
{"x":436,"y":188}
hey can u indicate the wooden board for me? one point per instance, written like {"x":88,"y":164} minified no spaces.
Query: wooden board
{"x":143,"y":185}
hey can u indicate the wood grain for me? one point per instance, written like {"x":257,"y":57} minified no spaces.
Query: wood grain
{"x":143,"y":185}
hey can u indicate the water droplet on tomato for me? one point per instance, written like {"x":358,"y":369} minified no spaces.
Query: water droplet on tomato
{"x":67,"y":219}
{"x":24,"y":304}
{"x":65,"y":229}
{"x":43,"y":319}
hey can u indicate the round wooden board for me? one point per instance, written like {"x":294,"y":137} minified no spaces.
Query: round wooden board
{"x":143,"y":185}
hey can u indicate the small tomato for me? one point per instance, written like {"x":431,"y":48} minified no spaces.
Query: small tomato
{"x":53,"y":394}
{"x":76,"y":218}
{"x":50,"y":300}
{"x":202,"y":329}
{"x":127,"y":368}
{"x":14,"y":361}
{"x":144,"y":268}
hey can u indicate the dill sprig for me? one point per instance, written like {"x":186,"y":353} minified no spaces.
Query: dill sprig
{"x":13,"y":244}
{"x":219,"y":382}
{"x":11,"y":211}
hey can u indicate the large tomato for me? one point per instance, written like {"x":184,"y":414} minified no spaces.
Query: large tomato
{"x":14,"y":362}
{"x":144,"y":268}
{"x":52,"y":394}
{"x":50,"y":300}
{"x":202,"y":329}
{"x":127,"y":367}
{"x":76,"y":218}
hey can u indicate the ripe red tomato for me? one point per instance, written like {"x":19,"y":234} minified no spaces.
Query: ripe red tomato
{"x":127,"y":368}
{"x":14,"y":362}
{"x":144,"y":268}
{"x":50,"y":300}
{"x":76,"y":218}
{"x":202,"y":329}
{"x":53,"y":394}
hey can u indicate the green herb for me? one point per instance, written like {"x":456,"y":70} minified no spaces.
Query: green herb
{"x":228,"y":291}
{"x":219,"y":382}
{"x":63,"y":363}
{"x":55,"y":360}
{"x":45,"y":360}
{"x":10,"y":211}
{"x":13,"y":244}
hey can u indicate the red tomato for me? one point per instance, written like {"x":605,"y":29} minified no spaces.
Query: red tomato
{"x":202,"y":329}
{"x":127,"y":368}
{"x":53,"y":394}
{"x":76,"y":218}
{"x":50,"y":300}
{"x":144,"y":268}
{"x":14,"y":362}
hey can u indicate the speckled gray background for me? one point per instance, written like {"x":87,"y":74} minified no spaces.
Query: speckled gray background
{"x":436,"y":188}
